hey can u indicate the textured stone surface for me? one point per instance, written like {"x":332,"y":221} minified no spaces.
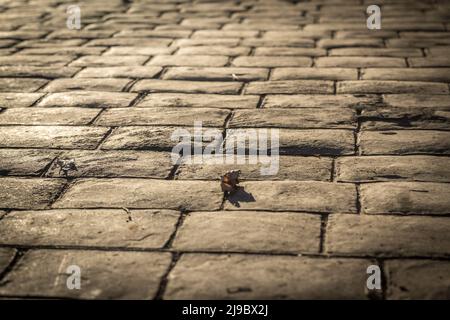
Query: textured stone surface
{"x":199,"y":101}
{"x":119,"y":72}
{"x":89,"y":119}
{"x":418,"y":279}
{"x":406,"y":198}
{"x":18,"y":100}
{"x":318,"y":101}
{"x":114,"y":164}
{"x":105,"y":275}
{"x":216,"y":74}
{"x":24,"y":193}
{"x":187,"y":86}
{"x":290,"y":87}
{"x":89,"y":99}
{"x":106,"y":227}
{"x":294,"y":196}
{"x":289,"y":168}
{"x":44,"y":116}
{"x":70,"y":137}
{"x":6,"y":257}
{"x":92,"y":84}
{"x":249,"y":231}
{"x":296,"y":118}
{"x":201,"y":276}
{"x":314,"y":74}
{"x":306,"y":142}
{"x":388,"y":168}
{"x":142,"y":193}
{"x":387,"y":235}
{"x":210,"y":117}
{"x":405,"y":142}
{"x":25,"y":161}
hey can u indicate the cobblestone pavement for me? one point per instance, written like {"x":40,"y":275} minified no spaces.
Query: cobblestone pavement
{"x":364,"y":143}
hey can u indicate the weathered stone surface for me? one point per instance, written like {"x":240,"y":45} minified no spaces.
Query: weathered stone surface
{"x":36,"y":60}
{"x":21,"y":84}
{"x":385,"y":86}
{"x":314,"y":74}
{"x":289,"y":51}
{"x":223,"y":34}
{"x":18,"y":100}
{"x":84,"y":34}
{"x":417,"y":101}
{"x":418,"y":279}
{"x":119,"y":72}
{"x":141,"y":50}
{"x":199,"y":101}
{"x":51,"y":43}
{"x":210,"y":117}
{"x":376,"y":52}
{"x":53,"y":48}
{"x":253,"y":231}
{"x":283,"y":42}
{"x":295,"y":118}
{"x":419,"y":112}
{"x":105,"y":227}
{"x":405,"y":142}
{"x":216,"y":74}
{"x":24,"y":193}
{"x":205,"y":41}
{"x":268,"y":61}
{"x":115,"y":164}
{"x":188,"y":61}
{"x":405,"y":198}
{"x":387,"y":235}
{"x":105,"y":275}
{"x":360,"y":62}
{"x":6,"y":257}
{"x":319,"y":101}
{"x":142,"y":193}
{"x":304,"y":142}
{"x":89,"y":84}
{"x":213,"y":50}
{"x":25,"y":162}
{"x":290,"y":168}
{"x":290,"y":87}
{"x":407,"y":74}
{"x":130,"y":41}
{"x":294,"y":196}
{"x":70,"y":137}
{"x":342,"y":43}
{"x":91,"y":99}
{"x":48,"y":116}
{"x":362,"y":118}
{"x":100,"y":61}
{"x":202,"y":276}
{"x":38,"y":72}
{"x":388,"y":168}
{"x":150,"y":137}
{"x":430,"y":62}
{"x":187,"y":86}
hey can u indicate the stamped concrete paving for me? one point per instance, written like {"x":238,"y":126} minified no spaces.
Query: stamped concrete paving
{"x":364,"y":120}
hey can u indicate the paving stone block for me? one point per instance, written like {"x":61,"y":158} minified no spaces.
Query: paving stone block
{"x":245,"y":231}
{"x":203,"y":276}
{"x":28,"y":193}
{"x":309,"y":196}
{"x":111,"y":228}
{"x":142,"y":193}
{"x":104,"y":275}
{"x":384,"y":235}
{"x":426,"y":198}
